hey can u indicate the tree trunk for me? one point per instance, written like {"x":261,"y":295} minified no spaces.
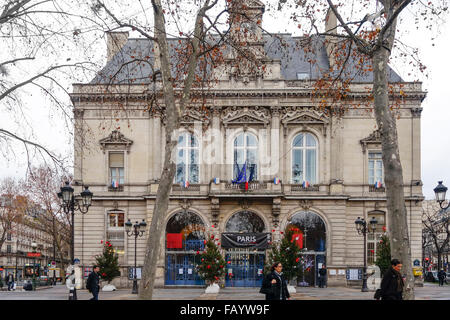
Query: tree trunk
{"x":393,"y":172}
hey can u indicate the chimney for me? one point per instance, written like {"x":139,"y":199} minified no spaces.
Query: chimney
{"x":114,"y":42}
{"x":330,"y":28}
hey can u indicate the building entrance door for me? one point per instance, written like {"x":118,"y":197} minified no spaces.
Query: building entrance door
{"x":245,"y":268}
{"x":310,"y":263}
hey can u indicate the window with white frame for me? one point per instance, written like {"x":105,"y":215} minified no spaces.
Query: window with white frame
{"x":116,"y":231}
{"x":187,"y":159}
{"x":116,"y":220}
{"x":304,"y":158}
{"x":375,"y":167}
{"x":245,"y":154}
{"x":116,"y":169}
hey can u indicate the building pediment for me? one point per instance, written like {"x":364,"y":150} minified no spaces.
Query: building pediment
{"x":245,"y":116}
{"x":116,"y":141}
{"x":373,"y":138}
{"x":304,"y":117}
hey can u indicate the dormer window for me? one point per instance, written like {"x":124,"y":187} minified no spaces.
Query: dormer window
{"x":302,"y":75}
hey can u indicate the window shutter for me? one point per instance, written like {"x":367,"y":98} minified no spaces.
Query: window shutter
{"x":116,"y":160}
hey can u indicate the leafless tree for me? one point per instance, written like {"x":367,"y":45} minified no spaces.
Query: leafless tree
{"x":435,"y":223}
{"x":368,"y":37}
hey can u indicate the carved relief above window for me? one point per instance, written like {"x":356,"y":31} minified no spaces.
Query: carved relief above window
{"x":374,"y":139}
{"x":116,"y":141}
{"x":242,"y":116}
{"x":304,"y":117}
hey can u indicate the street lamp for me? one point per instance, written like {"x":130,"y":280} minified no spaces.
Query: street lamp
{"x":440,"y":192}
{"x":363,"y":228}
{"x":139,"y":229}
{"x":34,"y":246}
{"x":69,"y":206}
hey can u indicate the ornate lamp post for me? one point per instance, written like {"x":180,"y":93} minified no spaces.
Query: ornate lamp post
{"x":363,"y":228}
{"x":440,"y":192}
{"x":138,"y":230}
{"x":69,"y":206}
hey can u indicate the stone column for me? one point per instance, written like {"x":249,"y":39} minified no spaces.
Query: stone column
{"x":216,"y":143}
{"x":275,"y":143}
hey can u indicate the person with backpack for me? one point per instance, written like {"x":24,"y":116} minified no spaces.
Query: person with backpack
{"x":93,"y":282}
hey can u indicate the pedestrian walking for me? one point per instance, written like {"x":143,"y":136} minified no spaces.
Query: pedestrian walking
{"x":392,"y":284}
{"x":93,"y":282}
{"x":322,"y":276}
{"x":442,"y":277}
{"x":274,"y":285}
{"x":10,"y":281}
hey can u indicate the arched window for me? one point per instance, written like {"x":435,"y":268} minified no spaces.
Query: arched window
{"x":245,"y":221}
{"x":304,"y":158}
{"x":187,"y":159}
{"x":245,"y":156}
{"x":312,"y":228}
{"x":184,"y":231}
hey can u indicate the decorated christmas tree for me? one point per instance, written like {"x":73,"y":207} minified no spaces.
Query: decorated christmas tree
{"x":288,"y":253}
{"x":383,"y":259}
{"x":108,"y":262}
{"x":212,"y":266}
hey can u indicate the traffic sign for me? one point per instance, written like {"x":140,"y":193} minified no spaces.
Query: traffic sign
{"x":33,"y":254}
{"x":53,"y":263}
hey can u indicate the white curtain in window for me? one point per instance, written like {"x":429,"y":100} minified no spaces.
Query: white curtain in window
{"x":304,"y":158}
{"x":187,"y":159}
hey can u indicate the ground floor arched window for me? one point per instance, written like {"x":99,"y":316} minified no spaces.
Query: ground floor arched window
{"x":310,"y":228}
{"x":185,"y":235}
{"x":245,"y":249}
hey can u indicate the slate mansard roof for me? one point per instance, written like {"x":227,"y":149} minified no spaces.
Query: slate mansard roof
{"x":291,"y":55}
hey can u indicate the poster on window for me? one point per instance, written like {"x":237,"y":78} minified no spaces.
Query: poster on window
{"x":131,"y":273}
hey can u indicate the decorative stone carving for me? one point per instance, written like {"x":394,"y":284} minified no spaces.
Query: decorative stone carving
{"x":276,"y":210}
{"x":245,"y":116}
{"x":305,"y":204}
{"x":416,"y":112}
{"x":215,"y":209}
{"x":185,"y":204}
{"x":116,"y":141}
{"x":373,"y":138}
{"x":245,"y":203}
{"x":304,"y":117}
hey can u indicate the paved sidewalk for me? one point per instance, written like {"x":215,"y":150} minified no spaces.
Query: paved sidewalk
{"x":60,"y":292}
{"x":428,"y":292}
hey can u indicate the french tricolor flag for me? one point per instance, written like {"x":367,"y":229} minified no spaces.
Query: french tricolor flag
{"x":305,"y":184}
{"x":378,"y":184}
{"x":186,"y":184}
{"x":115,"y":184}
{"x":276,"y":181}
{"x":216,"y":180}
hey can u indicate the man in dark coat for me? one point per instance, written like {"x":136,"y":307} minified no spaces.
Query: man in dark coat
{"x":275,"y":285}
{"x":392,"y":282}
{"x":93,"y":283}
{"x":322,"y":276}
{"x":441,"y":276}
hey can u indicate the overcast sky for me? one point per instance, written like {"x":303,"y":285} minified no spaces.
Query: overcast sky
{"x":435,"y":143}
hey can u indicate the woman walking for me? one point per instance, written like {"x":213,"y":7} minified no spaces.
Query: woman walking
{"x":274,"y":284}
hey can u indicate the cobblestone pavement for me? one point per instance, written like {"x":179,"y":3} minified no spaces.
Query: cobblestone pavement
{"x":60,"y":292}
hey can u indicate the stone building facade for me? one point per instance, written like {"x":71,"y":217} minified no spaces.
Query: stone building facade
{"x":306,"y":168}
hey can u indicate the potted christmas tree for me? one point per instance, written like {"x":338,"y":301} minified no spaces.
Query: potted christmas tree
{"x":212,"y":266}
{"x":288,"y":253}
{"x":108,"y":263}
{"x":383,"y":260}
